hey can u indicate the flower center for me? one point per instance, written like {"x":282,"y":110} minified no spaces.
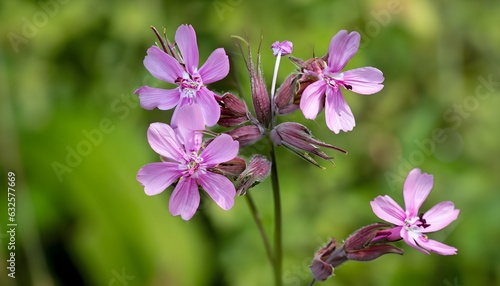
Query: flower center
{"x":193,"y":163}
{"x":189,"y":86}
{"x":335,"y":79}
{"x":416,"y":225}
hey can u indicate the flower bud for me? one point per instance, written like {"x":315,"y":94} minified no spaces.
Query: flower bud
{"x":233,"y":111}
{"x":260,"y":96}
{"x":285,"y":95}
{"x":372,"y":252}
{"x":258,"y":169}
{"x":230,"y":168}
{"x":246,"y":135}
{"x":360,"y":246}
{"x":320,"y":267}
{"x":297,"y":138}
{"x":285,"y":48}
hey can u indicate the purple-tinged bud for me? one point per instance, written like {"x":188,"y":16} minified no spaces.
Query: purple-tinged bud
{"x":364,"y":236}
{"x":246,"y":135}
{"x":233,"y":111}
{"x":232,"y":168}
{"x":372,"y":252}
{"x":285,"y":48}
{"x":360,"y":246}
{"x":285,"y":95}
{"x":258,"y":169}
{"x":260,"y":96}
{"x":320,"y":268}
{"x":297,"y":138}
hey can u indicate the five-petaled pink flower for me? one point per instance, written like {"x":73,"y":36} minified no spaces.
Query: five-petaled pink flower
{"x":190,"y":80}
{"x":183,"y":162}
{"x":412,"y":226}
{"x":366,"y":80}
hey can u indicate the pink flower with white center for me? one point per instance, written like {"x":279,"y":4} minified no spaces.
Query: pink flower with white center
{"x":410,"y":225}
{"x":366,"y":80}
{"x":189,"y":79}
{"x":282,"y":48}
{"x":182,"y":161}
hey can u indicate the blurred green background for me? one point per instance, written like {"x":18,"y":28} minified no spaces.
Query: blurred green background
{"x":68,"y":70}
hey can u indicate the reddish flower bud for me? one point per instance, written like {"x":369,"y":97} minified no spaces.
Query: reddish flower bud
{"x":360,"y":246}
{"x":321,"y":266}
{"x":233,"y":111}
{"x":285,"y":95}
{"x":260,"y":96}
{"x":372,"y":252}
{"x":230,"y":168}
{"x":246,"y":135}
{"x":297,"y":138}
{"x":258,"y":169}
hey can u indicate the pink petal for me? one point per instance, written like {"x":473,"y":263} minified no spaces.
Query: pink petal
{"x":440,"y":216}
{"x":216,"y":67}
{"x":437,"y":247}
{"x":313,"y":99}
{"x":411,"y":241}
{"x":337,"y":112}
{"x":416,"y":188}
{"x":185,"y":37}
{"x":185,"y":199}
{"x":342,"y":48}
{"x":222,"y":149}
{"x":156,"y":177}
{"x":162,"y":65}
{"x":163,"y":140}
{"x":163,"y":99}
{"x":188,"y":116}
{"x":365,"y":80}
{"x":209,"y":106}
{"x":387,"y":209}
{"x":219,"y":188}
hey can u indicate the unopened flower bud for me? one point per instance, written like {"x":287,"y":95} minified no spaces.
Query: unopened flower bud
{"x":285,"y":48}
{"x":285,"y":95}
{"x":372,"y":252}
{"x":258,"y":169}
{"x":246,"y":135}
{"x":260,"y":96}
{"x":320,"y":267}
{"x":297,"y":138}
{"x":233,"y":111}
{"x":360,"y":247}
{"x":230,"y":168}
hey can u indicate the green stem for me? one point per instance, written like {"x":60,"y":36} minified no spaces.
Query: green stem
{"x":258,"y":221}
{"x":278,"y":251}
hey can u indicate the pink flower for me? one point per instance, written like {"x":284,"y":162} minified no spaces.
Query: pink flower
{"x":410,"y":225}
{"x":282,"y":48}
{"x":182,"y":161}
{"x":366,"y":80}
{"x":185,"y":74}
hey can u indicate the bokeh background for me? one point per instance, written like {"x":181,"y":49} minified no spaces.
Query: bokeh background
{"x":75,"y":136}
